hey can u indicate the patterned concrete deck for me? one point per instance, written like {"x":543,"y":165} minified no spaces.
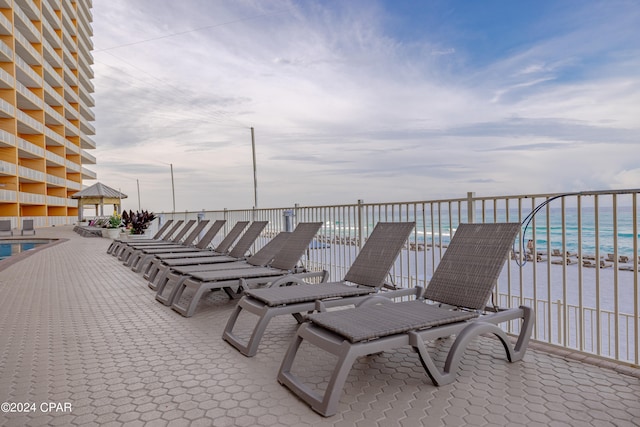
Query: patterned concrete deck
{"x":84,"y":333}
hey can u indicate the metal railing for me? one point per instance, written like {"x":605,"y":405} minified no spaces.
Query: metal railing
{"x":578,"y":266}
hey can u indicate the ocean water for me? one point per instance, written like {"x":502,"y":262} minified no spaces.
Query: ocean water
{"x":438,"y":229}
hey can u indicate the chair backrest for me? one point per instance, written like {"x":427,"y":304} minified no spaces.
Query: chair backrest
{"x":378,"y":254}
{"x":173,"y":229}
{"x":223,"y":247}
{"x":178,"y":237}
{"x":195,"y":232}
{"x":5,"y":225}
{"x":162,"y":229}
{"x":265,"y":255}
{"x":470,"y":266}
{"x":27,"y":225}
{"x":290,"y":254}
{"x":210,"y":234}
{"x":247,"y":239}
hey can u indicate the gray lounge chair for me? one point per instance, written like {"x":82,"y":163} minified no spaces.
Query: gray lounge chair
{"x":117,"y":242}
{"x":460,"y":288}
{"x":282,"y":267}
{"x":140,"y":258}
{"x":219,"y":254}
{"x":365,"y":276}
{"x":5,"y":228}
{"x":123,"y":244}
{"x":132,"y":247}
{"x":27,"y":227}
{"x":260,"y":259}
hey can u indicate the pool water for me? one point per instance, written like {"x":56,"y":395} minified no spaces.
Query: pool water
{"x":9,"y":248}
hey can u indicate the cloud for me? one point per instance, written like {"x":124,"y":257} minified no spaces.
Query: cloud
{"x":343,"y":108}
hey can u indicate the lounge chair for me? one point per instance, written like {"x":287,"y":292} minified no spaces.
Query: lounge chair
{"x":366,"y":276}
{"x":140,"y":259}
{"x":132,"y":247}
{"x":5,"y":228}
{"x":139,"y":254}
{"x":117,"y":242}
{"x":121,"y":245}
{"x":282,"y":267}
{"x":220,"y":254}
{"x":27,"y":227}
{"x":460,"y":287}
{"x":222,"y":262}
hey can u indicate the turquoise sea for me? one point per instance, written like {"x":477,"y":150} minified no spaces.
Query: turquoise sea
{"x":437,"y":228}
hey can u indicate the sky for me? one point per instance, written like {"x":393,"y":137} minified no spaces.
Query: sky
{"x":373,"y":100}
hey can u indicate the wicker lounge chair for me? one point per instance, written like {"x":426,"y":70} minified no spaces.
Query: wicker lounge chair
{"x":117,"y":242}
{"x":177,"y":239}
{"x":365,"y":276}
{"x":118,"y":249}
{"x":5,"y":228}
{"x":140,"y":254}
{"x":140,"y":260}
{"x":461,"y":286}
{"x":220,"y":254}
{"x":171,"y":274}
{"x":227,"y":276}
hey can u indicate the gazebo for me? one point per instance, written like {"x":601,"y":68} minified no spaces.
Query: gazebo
{"x":98,"y":195}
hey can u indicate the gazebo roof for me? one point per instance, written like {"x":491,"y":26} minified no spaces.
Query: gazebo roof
{"x":99,"y":190}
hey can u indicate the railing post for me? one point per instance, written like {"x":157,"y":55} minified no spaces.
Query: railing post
{"x":360,"y":223}
{"x":471,"y":207}
{"x":226,"y":217}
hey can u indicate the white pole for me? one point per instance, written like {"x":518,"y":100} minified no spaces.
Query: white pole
{"x":255,"y":176}
{"x":138,"y":184}
{"x":173,"y":190}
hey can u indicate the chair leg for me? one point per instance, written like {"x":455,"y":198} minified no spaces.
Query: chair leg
{"x":326,"y":405}
{"x":250,"y":348}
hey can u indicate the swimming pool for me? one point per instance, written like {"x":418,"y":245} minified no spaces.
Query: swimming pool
{"x":12,"y":247}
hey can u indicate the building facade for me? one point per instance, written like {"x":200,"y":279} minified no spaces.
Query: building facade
{"x":46,"y":108}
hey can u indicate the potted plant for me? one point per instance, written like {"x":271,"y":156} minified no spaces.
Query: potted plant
{"x":138,"y":222}
{"x":112,"y":226}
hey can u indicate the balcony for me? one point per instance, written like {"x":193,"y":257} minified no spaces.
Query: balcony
{"x":6,"y":29}
{"x":54,"y":159}
{"x":50,"y":15}
{"x":7,"y":139}
{"x":26,"y":75}
{"x":31,"y":198}
{"x":30,"y":175}
{"x":27,"y":124}
{"x":52,"y":117}
{"x":6,"y":53}
{"x":54,"y":138}
{"x":27,"y":100}
{"x":8,"y":196}
{"x":25,"y":26}
{"x":6,"y":80}
{"x":88,"y":174}
{"x":26,"y":51}
{"x":87,"y":127}
{"x":56,"y":201}
{"x":55,"y":181}
{"x":29,"y":8}
{"x":6,"y":110}
{"x":87,"y":159}
{"x":7,"y":168}
{"x":29,"y":150}
{"x":72,"y":185}
{"x":86,"y":143}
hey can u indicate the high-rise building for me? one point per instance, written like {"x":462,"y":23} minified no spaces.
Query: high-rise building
{"x":45,"y":108}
